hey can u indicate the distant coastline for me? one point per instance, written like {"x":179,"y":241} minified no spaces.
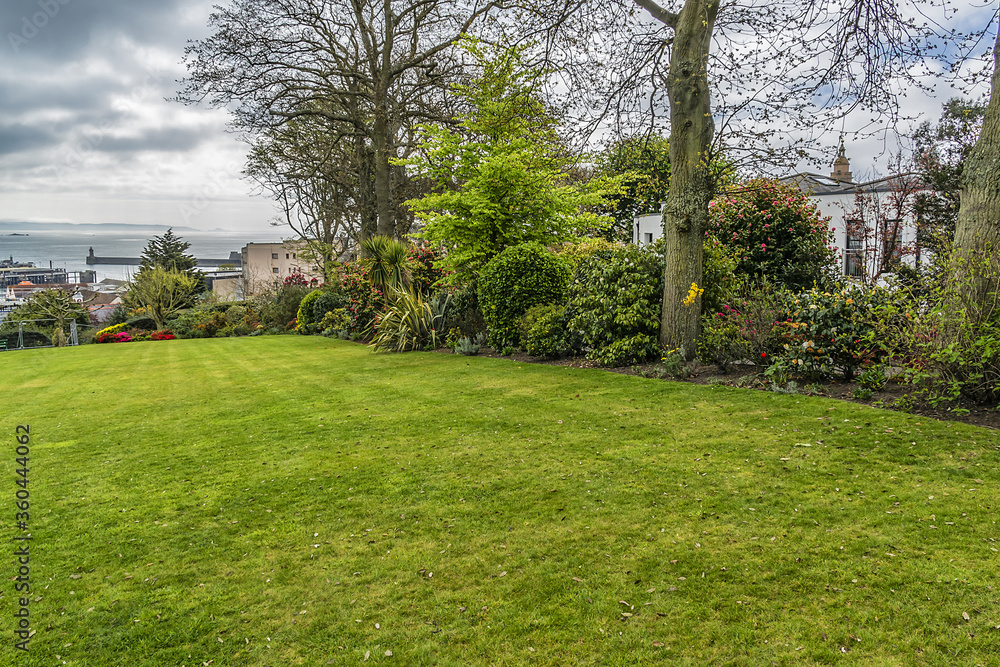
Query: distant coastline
{"x":100,"y":227}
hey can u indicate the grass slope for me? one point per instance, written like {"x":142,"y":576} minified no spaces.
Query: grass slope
{"x":302,"y":501}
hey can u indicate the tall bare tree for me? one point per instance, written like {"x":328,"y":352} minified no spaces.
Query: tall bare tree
{"x":738,"y":77}
{"x":317,"y":183}
{"x":370,"y":70}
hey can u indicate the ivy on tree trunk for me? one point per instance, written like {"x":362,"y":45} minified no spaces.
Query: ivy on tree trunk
{"x":977,"y":231}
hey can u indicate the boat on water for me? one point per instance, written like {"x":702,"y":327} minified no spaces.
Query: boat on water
{"x":18,"y":234}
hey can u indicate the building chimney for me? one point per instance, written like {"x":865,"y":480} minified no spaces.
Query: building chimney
{"x":841,"y":166}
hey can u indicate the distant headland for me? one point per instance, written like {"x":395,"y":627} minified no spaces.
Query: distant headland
{"x":6,"y":225}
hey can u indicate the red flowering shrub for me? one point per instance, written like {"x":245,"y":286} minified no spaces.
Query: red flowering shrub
{"x":120,"y":337}
{"x":423,"y":270}
{"x":777,"y":231}
{"x":165,"y":334}
{"x":299,"y":280}
{"x":364,"y":302}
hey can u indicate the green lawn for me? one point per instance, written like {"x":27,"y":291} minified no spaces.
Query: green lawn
{"x":299,"y":500}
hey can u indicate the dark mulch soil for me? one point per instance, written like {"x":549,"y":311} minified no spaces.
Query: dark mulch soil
{"x":894,"y":396}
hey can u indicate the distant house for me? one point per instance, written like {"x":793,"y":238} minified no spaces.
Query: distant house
{"x":21,"y":290}
{"x":100,"y":304}
{"x":872,"y":222}
{"x":225,"y":284}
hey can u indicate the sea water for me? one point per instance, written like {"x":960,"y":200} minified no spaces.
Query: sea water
{"x":68,"y":248}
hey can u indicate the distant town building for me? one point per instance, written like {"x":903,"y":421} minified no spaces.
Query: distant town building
{"x":225,"y":284}
{"x":264,"y":264}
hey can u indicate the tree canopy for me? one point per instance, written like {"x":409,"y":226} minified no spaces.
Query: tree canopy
{"x":365,"y":73}
{"x":940,"y":151}
{"x":168,"y":252}
{"x":643,"y":163}
{"x":502,"y":173}
{"x":162,"y":292}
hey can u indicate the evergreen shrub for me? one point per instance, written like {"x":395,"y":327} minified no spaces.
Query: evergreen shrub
{"x":518,"y":278}
{"x":616,"y":298}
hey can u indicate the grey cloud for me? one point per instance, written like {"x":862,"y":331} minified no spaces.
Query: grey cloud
{"x":161,"y":139}
{"x":58,"y":30}
{"x":17,"y":138}
{"x":24,"y":92}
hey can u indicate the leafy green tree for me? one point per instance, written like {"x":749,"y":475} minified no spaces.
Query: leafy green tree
{"x":162,"y":293}
{"x":939,"y":153}
{"x":643,"y":163}
{"x":169,"y":252}
{"x":502,"y":174}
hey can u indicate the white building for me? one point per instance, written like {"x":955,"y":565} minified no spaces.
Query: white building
{"x":872,"y":222}
{"x":264,"y":264}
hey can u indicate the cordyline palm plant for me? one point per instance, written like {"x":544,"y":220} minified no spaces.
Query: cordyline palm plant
{"x":410,"y":323}
{"x":387,"y":260}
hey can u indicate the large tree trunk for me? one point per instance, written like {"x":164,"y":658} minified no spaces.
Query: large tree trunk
{"x":691,"y":185}
{"x":977,"y":231}
{"x":367,"y":226}
{"x":383,"y":173}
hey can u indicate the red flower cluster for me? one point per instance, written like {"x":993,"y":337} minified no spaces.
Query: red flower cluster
{"x":120,"y":337}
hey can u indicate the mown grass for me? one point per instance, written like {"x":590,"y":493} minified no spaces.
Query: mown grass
{"x":302,"y":501}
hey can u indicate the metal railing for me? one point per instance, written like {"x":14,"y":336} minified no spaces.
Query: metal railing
{"x":73,"y":339}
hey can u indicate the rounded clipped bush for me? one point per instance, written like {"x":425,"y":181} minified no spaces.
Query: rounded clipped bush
{"x":142,"y":321}
{"x":305,"y":315}
{"x":518,"y":278}
{"x":616,"y":298}
{"x":327,"y":302}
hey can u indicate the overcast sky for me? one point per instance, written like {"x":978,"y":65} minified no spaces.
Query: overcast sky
{"x":86,"y":134}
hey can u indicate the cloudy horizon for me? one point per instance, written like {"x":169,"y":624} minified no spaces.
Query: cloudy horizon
{"x":88,"y":133}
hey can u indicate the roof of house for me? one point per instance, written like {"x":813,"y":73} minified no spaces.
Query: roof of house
{"x":818,"y":185}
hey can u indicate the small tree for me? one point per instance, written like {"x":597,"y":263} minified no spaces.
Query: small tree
{"x":877,"y":221}
{"x":169,"y":252}
{"x":54,"y":305}
{"x":777,"y":232}
{"x":502,"y":176}
{"x":162,"y":293}
{"x":388,"y":261}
